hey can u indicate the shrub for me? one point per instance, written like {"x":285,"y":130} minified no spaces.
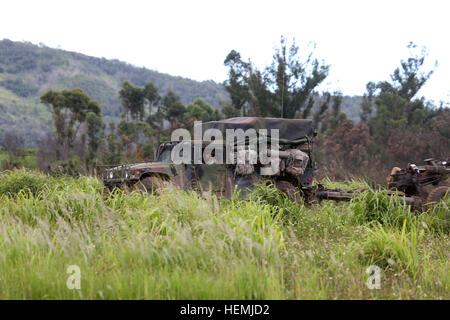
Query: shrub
{"x":16,"y":181}
{"x":378,"y":206}
{"x":270,"y":195}
{"x":437,"y":217}
{"x":394,"y":249}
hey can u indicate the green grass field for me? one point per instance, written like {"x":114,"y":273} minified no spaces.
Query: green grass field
{"x":182,"y":246}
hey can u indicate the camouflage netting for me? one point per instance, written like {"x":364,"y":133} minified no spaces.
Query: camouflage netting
{"x":291,"y":130}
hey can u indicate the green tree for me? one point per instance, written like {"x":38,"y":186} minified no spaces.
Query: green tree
{"x":229,"y":111}
{"x":329,"y":121}
{"x":295,"y":79}
{"x":367,"y":103}
{"x":199,"y":110}
{"x":95,"y":129}
{"x":69,"y":109}
{"x":321,"y":113}
{"x":397,"y":104}
{"x":284,"y":89}
{"x":112,"y":152}
{"x":132,"y":98}
{"x":260,"y":98}
{"x":173,"y":110}
{"x":152,"y":97}
{"x":135,"y":140}
{"x":236,"y":84}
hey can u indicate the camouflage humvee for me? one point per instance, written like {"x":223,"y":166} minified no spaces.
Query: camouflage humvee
{"x":292,"y":154}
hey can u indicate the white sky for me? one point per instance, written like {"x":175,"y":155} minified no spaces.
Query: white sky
{"x":361,"y":40}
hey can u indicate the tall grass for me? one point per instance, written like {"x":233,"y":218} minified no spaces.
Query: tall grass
{"x":378,"y":206}
{"x":397,"y":250}
{"x":179,"y":245}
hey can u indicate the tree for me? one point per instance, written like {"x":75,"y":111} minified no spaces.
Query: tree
{"x":173,"y":109}
{"x":367,"y":103}
{"x":95,"y":128}
{"x":69,"y":109}
{"x":132,"y":99}
{"x":230,"y":112}
{"x":13,"y":145}
{"x":199,"y":110}
{"x":260,"y":98}
{"x":151,"y":95}
{"x":321,"y":113}
{"x":284,"y":89}
{"x":112,"y":152}
{"x":295,"y":79}
{"x":236,"y":85}
{"x":135,"y":138}
{"x":343,"y":152}
{"x":397,"y":104}
{"x":327,"y":119}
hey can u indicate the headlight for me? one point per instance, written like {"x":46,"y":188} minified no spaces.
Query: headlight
{"x":111,"y":175}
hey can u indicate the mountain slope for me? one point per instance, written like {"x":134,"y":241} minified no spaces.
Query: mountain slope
{"x":27,"y":71}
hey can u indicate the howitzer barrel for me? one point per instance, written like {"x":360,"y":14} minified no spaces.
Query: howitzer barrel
{"x":413,"y":201}
{"x":436,"y":169}
{"x":337,"y":195}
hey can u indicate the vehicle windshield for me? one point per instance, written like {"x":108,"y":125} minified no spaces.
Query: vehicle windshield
{"x":164,"y":156}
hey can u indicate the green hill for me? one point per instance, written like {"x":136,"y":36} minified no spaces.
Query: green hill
{"x":28,"y":70}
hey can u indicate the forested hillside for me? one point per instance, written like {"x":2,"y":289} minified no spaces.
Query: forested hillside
{"x":27,"y":71}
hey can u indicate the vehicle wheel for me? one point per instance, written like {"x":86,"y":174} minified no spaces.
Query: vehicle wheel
{"x":151,"y":185}
{"x":292,"y":192}
{"x":437,"y":194}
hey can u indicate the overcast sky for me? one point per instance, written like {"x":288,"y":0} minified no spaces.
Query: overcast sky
{"x":361,"y":40}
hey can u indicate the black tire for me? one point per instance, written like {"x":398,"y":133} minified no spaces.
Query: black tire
{"x":292,"y":192}
{"x":151,"y":185}
{"x":437,"y":194}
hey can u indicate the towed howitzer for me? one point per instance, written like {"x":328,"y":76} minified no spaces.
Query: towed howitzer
{"x":426,"y":182}
{"x":415,"y":185}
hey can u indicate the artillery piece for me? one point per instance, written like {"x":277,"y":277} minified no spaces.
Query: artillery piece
{"x":415,"y":185}
{"x":428,"y":182}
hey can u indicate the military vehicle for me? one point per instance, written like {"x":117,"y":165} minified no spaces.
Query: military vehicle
{"x":294,"y":172}
{"x":295,"y":165}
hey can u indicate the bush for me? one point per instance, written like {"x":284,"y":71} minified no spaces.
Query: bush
{"x":278,"y":200}
{"x":396,"y":250}
{"x":16,"y":181}
{"x":378,"y":206}
{"x":437,"y":218}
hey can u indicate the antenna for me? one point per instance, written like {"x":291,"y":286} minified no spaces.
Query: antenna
{"x":282,"y":96}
